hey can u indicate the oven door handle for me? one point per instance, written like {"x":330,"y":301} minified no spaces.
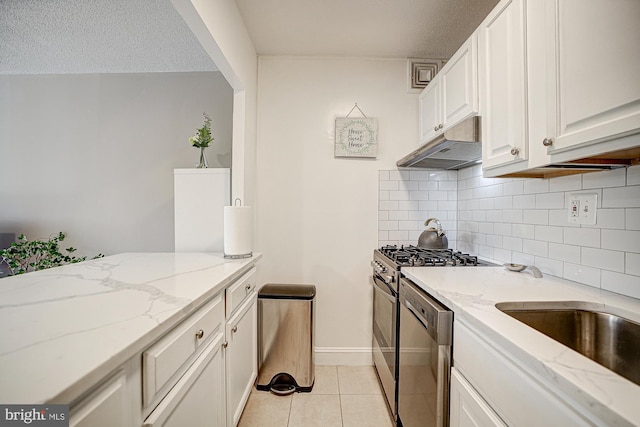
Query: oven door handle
{"x":386,"y":289}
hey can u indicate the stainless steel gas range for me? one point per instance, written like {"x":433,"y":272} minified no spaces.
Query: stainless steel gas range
{"x":427,"y":348}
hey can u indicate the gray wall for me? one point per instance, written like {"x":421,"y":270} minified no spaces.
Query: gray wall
{"x":93,"y":155}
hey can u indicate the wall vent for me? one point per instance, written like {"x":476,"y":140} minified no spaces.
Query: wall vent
{"x":421,"y":72}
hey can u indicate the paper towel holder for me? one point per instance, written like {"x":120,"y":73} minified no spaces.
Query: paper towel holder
{"x":238,"y":256}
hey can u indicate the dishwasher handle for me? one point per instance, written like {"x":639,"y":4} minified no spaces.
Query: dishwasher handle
{"x":435,"y":317}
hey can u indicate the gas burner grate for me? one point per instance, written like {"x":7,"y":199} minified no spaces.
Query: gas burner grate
{"x":410,"y":256}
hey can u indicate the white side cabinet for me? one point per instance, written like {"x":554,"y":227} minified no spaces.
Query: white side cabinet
{"x":241,"y":357}
{"x":452,"y":95}
{"x":467,"y":408}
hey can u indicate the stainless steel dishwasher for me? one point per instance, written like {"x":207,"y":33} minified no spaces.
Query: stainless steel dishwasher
{"x":424,"y":359}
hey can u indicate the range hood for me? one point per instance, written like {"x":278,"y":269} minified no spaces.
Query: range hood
{"x":456,"y":148}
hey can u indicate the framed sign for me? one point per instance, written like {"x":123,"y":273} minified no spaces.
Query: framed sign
{"x":356,"y":137}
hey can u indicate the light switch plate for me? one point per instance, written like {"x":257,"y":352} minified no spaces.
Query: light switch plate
{"x":583,"y":208}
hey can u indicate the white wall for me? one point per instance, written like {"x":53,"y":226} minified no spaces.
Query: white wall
{"x":316,"y":214}
{"x":219,"y":27}
{"x":93,"y":154}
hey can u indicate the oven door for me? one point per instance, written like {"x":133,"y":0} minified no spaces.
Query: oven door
{"x":385,"y":330}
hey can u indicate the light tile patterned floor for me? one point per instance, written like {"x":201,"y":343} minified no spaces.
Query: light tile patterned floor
{"x":342,"y":396}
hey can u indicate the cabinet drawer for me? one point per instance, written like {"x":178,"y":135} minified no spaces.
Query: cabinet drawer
{"x":166,"y":360}
{"x":239,"y":291}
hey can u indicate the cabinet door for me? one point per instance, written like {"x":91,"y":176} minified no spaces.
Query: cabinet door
{"x":241,"y":358}
{"x":503,"y":85}
{"x":468,"y":409}
{"x":459,"y":80}
{"x":429,"y":106}
{"x":198,"y":398}
{"x":106,"y":407}
{"x":593,"y":49}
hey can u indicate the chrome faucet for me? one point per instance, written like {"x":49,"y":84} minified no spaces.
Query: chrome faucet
{"x":535,"y":271}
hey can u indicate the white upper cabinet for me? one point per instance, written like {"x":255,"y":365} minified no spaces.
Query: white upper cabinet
{"x":430,"y":111}
{"x":593,"y":50}
{"x":459,"y":80}
{"x":452,"y":95}
{"x":502,"y":76}
{"x":558,"y":83}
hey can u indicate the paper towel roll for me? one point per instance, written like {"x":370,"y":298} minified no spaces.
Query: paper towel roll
{"x":238,"y":231}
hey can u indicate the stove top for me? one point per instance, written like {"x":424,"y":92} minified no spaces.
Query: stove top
{"x":413,"y":256}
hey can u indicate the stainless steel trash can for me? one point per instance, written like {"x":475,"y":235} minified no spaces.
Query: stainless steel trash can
{"x":286,"y":334}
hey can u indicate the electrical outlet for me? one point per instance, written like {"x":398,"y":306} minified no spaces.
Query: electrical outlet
{"x":583,"y":208}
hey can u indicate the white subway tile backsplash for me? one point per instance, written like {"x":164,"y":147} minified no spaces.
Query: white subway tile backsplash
{"x":526,"y":231}
{"x":399,"y":195}
{"x":525,"y":201}
{"x":533,"y":186}
{"x":512,"y":215}
{"x":550,"y":201}
{"x":398,"y":215}
{"x":513,"y":188}
{"x":427,"y":185}
{"x":624,"y":284}
{"x":582,"y":273}
{"x":512,"y":243}
{"x":621,"y":197}
{"x":388,"y":185}
{"x":632,"y":219}
{"x":523,"y":220}
{"x":505,"y":202}
{"x":582,"y":236}
{"x":447,"y":185}
{"x":568,"y":253}
{"x":633,"y":175}
{"x":621,"y":240}
{"x":388,"y":205}
{"x":609,"y":218}
{"x":614,"y":178}
{"x":566,"y":183}
{"x":603,"y":259}
{"x":410,"y":205}
{"x":534,"y":247}
{"x":632,"y":265}
{"x":548,"y":234}
{"x":539,"y":217}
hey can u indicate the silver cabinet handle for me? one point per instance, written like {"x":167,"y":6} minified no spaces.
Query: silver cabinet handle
{"x":515,"y":151}
{"x":200,"y":334}
{"x":225,"y":344}
{"x":547,"y":142}
{"x":234,"y":329}
{"x":440,"y":126}
{"x":435,"y":128}
{"x":248,"y":287}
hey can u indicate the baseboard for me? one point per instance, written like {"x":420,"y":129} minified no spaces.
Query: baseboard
{"x":352,"y":356}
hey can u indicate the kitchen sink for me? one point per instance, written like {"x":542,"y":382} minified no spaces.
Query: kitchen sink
{"x":602,"y":336}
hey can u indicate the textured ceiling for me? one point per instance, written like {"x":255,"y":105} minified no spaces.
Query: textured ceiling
{"x":96,"y":36}
{"x":369,"y":28}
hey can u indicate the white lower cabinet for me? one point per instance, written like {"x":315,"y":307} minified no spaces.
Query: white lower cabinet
{"x":468,"y":409}
{"x":518,"y":398}
{"x":198,"y":397}
{"x":241,"y":357}
{"x":114,"y":402}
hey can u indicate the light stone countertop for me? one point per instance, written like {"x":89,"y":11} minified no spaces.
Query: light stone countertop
{"x":65,"y":328}
{"x":472,"y":293}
